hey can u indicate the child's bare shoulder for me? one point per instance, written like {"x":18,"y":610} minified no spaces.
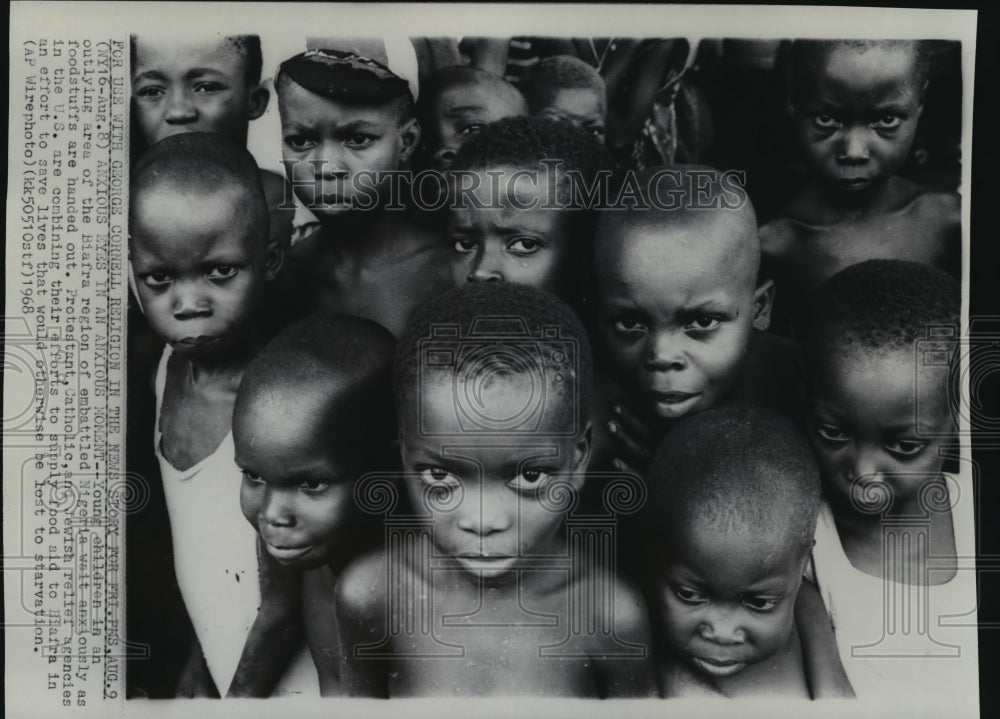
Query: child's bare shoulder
{"x":412,"y":236}
{"x":779,"y":236}
{"x":940,"y":208}
{"x":362,"y":586}
{"x":631,"y":619}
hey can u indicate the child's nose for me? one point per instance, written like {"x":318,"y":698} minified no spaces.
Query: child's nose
{"x":853,"y":146}
{"x":189,"y":301}
{"x":663,"y":352}
{"x":444,"y":157}
{"x":332,"y":163}
{"x":276,"y":509}
{"x":180,"y":109}
{"x":484,"y":513}
{"x":486,"y":267}
{"x":722,"y":627}
{"x":866,"y":464}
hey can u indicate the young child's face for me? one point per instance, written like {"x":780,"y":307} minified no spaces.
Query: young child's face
{"x":298,"y":485}
{"x":198,"y":271}
{"x":488,"y":496}
{"x":502,"y":242}
{"x":193,"y":87}
{"x":880,"y":417}
{"x":676,"y":312}
{"x":726,"y":602}
{"x":461,"y":111}
{"x":858,"y":119}
{"x":332,"y":141}
{"x":579,"y":106}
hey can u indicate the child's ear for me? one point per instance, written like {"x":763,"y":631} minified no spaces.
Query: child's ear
{"x":790,"y":108}
{"x":259,"y":97}
{"x":807,"y":555}
{"x":923,"y":94}
{"x":132,"y":285}
{"x":274,"y":258}
{"x":763,"y":300}
{"x":581,"y":452}
{"x":409,"y":137}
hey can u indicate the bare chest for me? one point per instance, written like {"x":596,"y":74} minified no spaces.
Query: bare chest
{"x":193,"y":420}
{"x":821,"y":252}
{"x":494,"y":643}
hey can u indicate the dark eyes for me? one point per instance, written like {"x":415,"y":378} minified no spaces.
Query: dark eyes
{"x":309,"y":486}
{"x":153,"y":91}
{"x":902,"y":448}
{"x":299,"y":143}
{"x":303,"y":143}
{"x":629,"y":326}
{"x":472,"y":129}
{"x":888,"y":122}
{"x":832,"y":434}
{"x":223,"y":272}
{"x":207,"y":87}
{"x":314,"y":486}
{"x":693,"y":597}
{"x":905,"y":447}
{"x":157,"y":280}
{"x":759,"y":604}
{"x":464,"y":245}
{"x":825,"y":122}
{"x":830,"y":122}
{"x":360,"y":142}
{"x":699,"y":326}
{"x":689,"y":596}
{"x":528,"y":479}
{"x":438,"y":477}
{"x":524,"y":246}
{"x":150,"y":91}
{"x":704,"y":323}
{"x":520,"y":246}
{"x":162,"y":280}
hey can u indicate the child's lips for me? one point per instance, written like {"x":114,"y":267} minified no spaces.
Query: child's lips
{"x":672,"y":403}
{"x":287,"y":553}
{"x":192,"y":342}
{"x":718,"y":668}
{"x":333,"y":199}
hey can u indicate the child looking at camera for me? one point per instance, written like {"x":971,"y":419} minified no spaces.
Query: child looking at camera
{"x":855,"y":106}
{"x":200,"y":259}
{"x":527,"y":219}
{"x":879,"y":353}
{"x":314,"y":413}
{"x":681,"y":311}
{"x":492,"y":391}
{"x":733,"y":497}
{"x":205,"y":84}
{"x":346,"y":122}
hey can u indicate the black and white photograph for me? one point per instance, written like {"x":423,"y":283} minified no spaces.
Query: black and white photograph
{"x":495,"y":360}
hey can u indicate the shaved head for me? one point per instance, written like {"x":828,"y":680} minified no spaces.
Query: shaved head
{"x":335,"y":370}
{"x":461,"y":75}
{"x":199,"y":165}
{"x":701,"y":228}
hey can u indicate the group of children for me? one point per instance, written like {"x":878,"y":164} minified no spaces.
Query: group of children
{"x":398,"y":436}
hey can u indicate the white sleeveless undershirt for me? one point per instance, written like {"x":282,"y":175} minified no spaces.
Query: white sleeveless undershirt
{"x":913,"y":643}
